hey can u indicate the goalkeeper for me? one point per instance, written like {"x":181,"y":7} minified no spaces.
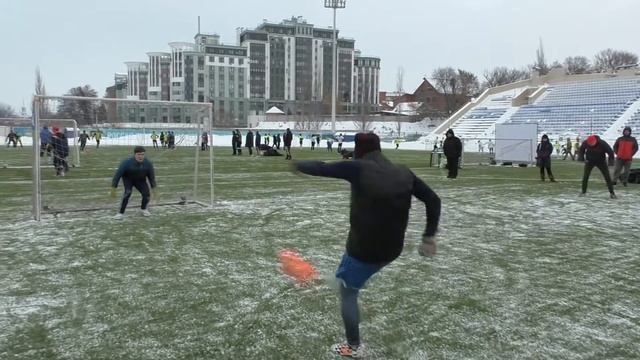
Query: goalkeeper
{"x":134,"y":172}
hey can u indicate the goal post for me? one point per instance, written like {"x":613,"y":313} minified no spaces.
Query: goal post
{"x":130,"y":126}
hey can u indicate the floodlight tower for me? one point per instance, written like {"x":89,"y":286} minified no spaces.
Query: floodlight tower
{"x":335,"y":5}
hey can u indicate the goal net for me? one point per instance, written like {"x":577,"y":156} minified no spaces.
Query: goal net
{"x":106,"y":133}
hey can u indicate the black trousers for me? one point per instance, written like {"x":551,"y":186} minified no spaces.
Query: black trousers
{"x":142,"y":186}
{"x":605,"y":173}
{"x":83,"y":144}
{"x":545,"y":164}
{"x":452,"y":166}
{"x":250,"y":150}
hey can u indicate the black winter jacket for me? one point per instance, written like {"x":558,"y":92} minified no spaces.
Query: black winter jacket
{"x":596,"y":154}
{"x":380,"y":202}
{"x":452,"y":146}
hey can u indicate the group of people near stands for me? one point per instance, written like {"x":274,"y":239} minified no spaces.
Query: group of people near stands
{"x":594,"y":152}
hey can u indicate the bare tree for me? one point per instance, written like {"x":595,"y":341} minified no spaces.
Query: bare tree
{"x":502,"y":75}
{"x":363,"y":118}
{"x":400,"y":81}
{"x":309,"y":119}
{"x":577,"y":65}
{"x":610,"y":60}
{"x":468,"y":83}
{"x":84,"y":112}
{"x":44,"y":108}
{"x":6,"y":111}
{"x":541,"y":63}
{"x":446,"y":82}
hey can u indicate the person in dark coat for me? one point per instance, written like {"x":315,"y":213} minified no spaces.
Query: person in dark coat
{"x":204,"y":141}
{"x":234,"y":142}
{"x":134,"y":172}
{"x":288,"y":138}
{"x":60,"y":146}
{"x":593,"y":152}
{"x":12,"y":137}
{"x":381,"y":194}
{"x":258,"y":139}
{"x":278,"y":140}
{"x":238,"y":141}
{"x":543,"y":157}
{"x":83,"y":140}
{"x":248,"y":141}
{"x":625,"y":147}
{"x":452,"y":148}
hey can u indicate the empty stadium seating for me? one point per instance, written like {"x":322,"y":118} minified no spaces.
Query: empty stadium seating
{"x":580,"y":107}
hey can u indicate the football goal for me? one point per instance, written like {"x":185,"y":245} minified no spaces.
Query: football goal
{"x":104,"y":133}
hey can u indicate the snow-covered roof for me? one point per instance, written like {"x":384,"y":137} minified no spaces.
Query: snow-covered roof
{"x":274,"y":111}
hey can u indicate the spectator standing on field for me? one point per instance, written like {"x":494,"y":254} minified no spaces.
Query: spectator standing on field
{"x":625,"y":147}
{"x":204,"y":143}
{"x":543,"y":157}
{"x":154,"y":139}
{"x":248,"y":142}
{"x":452,"y":147}
{"x":340,"y":140}
{"x":258,"y":140}
{"x":288,"y":138}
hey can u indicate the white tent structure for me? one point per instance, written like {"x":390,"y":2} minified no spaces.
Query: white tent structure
{"x":274,"y":111}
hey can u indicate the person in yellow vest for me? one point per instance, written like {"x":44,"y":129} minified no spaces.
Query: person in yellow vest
{"x":396,"y":142}
{"x":557,"y":147}
{"x":98,"y":137}
{"x":154,"y":138}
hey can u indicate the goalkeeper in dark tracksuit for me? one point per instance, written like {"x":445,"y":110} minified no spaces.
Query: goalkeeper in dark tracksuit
{"x":134,"y":173}
{"x":381,"y":194}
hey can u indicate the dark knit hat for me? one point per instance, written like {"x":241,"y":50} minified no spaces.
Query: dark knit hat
{"x":366,"y":143}
{"x":592,"y":140}
{"x":139,"y":149}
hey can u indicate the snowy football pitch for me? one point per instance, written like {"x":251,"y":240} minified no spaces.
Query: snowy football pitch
{"x":525,"y":270}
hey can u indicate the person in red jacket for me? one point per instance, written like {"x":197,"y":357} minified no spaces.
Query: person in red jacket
{"x":625,"y":147}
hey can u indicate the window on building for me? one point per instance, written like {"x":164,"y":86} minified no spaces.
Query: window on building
{"x":232,"y":61}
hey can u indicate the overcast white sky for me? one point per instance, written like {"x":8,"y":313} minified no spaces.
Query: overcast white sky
{"x":85,"y":42}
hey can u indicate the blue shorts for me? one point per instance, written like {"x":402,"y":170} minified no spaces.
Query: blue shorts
{"x":355,"y":273}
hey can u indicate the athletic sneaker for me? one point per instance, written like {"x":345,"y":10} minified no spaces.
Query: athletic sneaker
{"x":145,"y":212}
{"x":347,"y":350}
{"x":119,"y":216}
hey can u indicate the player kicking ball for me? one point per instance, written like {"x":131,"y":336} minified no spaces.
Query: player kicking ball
{"x":381,"y":195}
{"x":134,"y":172}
